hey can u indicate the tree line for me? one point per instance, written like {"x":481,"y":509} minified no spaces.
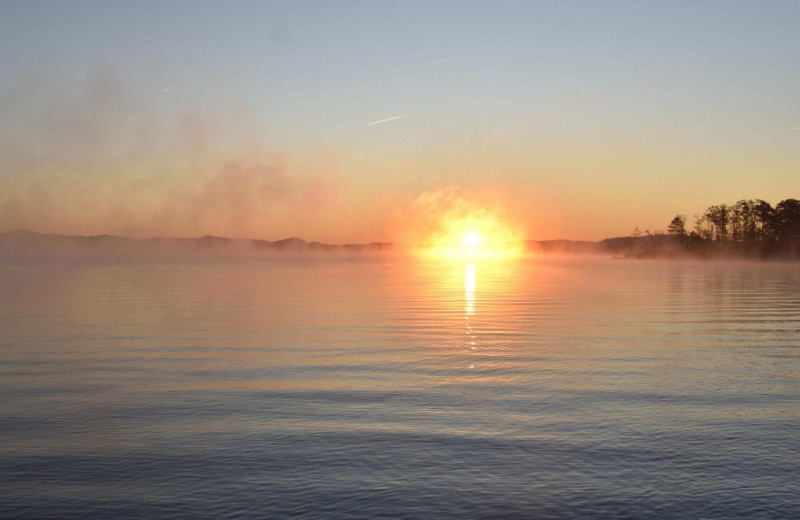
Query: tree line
{"x":751,"y":227}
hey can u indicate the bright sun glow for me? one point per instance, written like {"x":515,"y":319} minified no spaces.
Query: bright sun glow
{"x":472,"y":240}
{"x":475,"y":237}
{"x":444,"y":224}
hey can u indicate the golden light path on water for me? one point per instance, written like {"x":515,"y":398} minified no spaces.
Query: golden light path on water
{"x":477,"y":285}
{"x":469,"y":304}
{"x":489,"y":289}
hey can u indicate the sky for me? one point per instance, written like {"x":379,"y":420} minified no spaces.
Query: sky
{"x":366,"y":121}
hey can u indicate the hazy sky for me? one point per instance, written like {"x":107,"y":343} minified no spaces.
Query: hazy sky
{"x":574,"y":120}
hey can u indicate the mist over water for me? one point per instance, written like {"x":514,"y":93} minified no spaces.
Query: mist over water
{"x":373,"y":387}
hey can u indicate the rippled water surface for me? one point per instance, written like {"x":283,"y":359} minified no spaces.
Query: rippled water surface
{"x":356,"y":388}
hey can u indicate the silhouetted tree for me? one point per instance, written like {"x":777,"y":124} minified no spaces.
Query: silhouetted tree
{"x":787,"y":222}
{"x":765,"y":221}
{"x":698,"y":224}
{"x":677,"y":226}
{"x":749,"y":227}
{"x":719,"y":217}
{"x":677,"y":230}
{"x":740,"y":219}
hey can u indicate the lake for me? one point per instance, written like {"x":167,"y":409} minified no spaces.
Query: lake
{"x":362,"y":387}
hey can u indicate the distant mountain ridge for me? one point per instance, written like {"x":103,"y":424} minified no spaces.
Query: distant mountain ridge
{"x":30,"y":245}
{"x":25,"y":244}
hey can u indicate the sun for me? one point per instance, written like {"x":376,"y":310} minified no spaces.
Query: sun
{"x":475,"y":239}
{"x":454,"y":228}
{"x":472,"y":240}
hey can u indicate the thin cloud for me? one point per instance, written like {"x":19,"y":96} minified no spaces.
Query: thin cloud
{"x":387,"y":119}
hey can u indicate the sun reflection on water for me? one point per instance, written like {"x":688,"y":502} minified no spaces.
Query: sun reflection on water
{"x":469,"y":305}
{"x":469,"y":282}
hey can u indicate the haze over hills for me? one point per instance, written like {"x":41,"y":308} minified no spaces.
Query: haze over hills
{"x":31,"y":246}
{"x":23,"y":246}
{"x":26,"y":245}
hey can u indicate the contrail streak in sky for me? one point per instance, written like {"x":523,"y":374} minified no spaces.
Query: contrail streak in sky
{"x":387,"y":119}
{"x":169,"y":88}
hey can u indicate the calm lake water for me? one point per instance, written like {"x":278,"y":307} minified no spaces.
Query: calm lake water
{"x":369,"y":388}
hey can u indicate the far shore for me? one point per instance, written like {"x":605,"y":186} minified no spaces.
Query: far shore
{"x":22,"y":246}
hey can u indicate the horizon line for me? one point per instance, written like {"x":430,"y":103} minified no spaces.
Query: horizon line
{"x":197,"y":237}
